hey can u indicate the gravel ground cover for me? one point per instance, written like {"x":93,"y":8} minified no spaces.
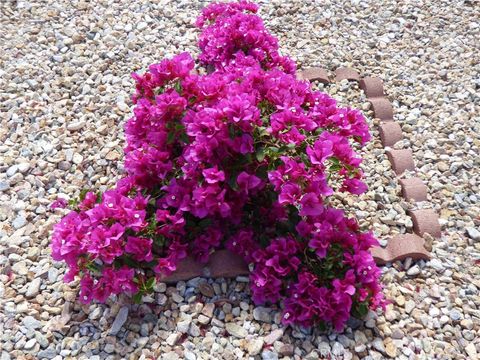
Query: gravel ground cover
{"x":64,"y":95}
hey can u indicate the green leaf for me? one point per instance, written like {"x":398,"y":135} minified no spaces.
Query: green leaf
{"x":82,"y":194}
{"x":360,"y":310}
{"x":204,"y":223}
{"x":150,"y":283}
{"x":72,"y":203}
{"x":273,"y":150}
{"x":322,"y":326}
{"x":232,"y":181}
{"x":170,"y":137}
{"x":262,"y":131}
{"x":231,"y":131}
{"x":150,"y":264}
{"x":262,"y":172}
{"x":129,"y":261}
{"x":260,"y":154}
{"x":137,"y":298}
{"x":178,"y":87}
{"x":184,"y":138}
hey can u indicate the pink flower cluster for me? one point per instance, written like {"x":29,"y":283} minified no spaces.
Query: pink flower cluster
{"x":240,"y":154}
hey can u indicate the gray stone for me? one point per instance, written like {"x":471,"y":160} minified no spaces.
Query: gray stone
{"x":262,"y":314}
{"x":119,"y":321}
{"x":31,"y":323}
{"x":48,"y":353}
{"x":109,"y":348}
{"x":455,"y":315}
{"x":52,"y":274}
{"x":96,"y":313}
{"x":378,"y":345}
{"x":4,"y":185}
{"x":19,"y":222}
{"x":161,"y":299}
{"x":144,"y":329}
{"x":194,"y":330}
{"x":269,"y":355}
{"x":337,"y":349}
{"x":184,"y":325}
{"x":177,"y":297}
{"x":12,"y":170}
{"x":141,"y":342}
{"x":41,"y":339}
{"x":189,"y":355}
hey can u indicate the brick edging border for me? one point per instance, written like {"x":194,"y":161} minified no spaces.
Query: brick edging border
{"x":414,"y":189}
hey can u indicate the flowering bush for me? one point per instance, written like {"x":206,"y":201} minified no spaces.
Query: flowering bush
{"x":243,"y":156}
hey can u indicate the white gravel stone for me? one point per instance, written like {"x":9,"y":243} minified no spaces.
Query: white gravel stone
{"x":236,"y":330}
{"x":473,"y":233}
{"x":173,"y":338}
{"x":273,"y":336}
{"x":255,"y":346}
{"x":34,"y":288}
{"x":74,"y":126}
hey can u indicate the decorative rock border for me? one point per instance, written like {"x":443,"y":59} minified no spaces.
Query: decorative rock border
{"x":390,"y":133}
{"x":372,"y":87}
{"x":346,"y":73}
{"x":315,"y":74}
{"x":401,"y":160}
{"x":224,"y":263}
{"x":382,"y":108}
{"x":395,"y":249}
{"x":413,"y":189}
{"x":424,"y":221}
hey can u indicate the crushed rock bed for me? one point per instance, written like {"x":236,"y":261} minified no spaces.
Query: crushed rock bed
{"x":65,"y":95}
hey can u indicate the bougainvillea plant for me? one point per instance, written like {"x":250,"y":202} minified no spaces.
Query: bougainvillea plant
{"x":232,"y":151}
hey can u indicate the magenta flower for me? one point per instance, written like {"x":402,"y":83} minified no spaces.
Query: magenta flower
{"x":59,"y":204}
{"x":320,"y":151}
{"x":248,"y":182}
{"x":140,"y":248}
{"x":310,"y":205}
{"x":354,"y":186}
{"x":213,"y":175}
